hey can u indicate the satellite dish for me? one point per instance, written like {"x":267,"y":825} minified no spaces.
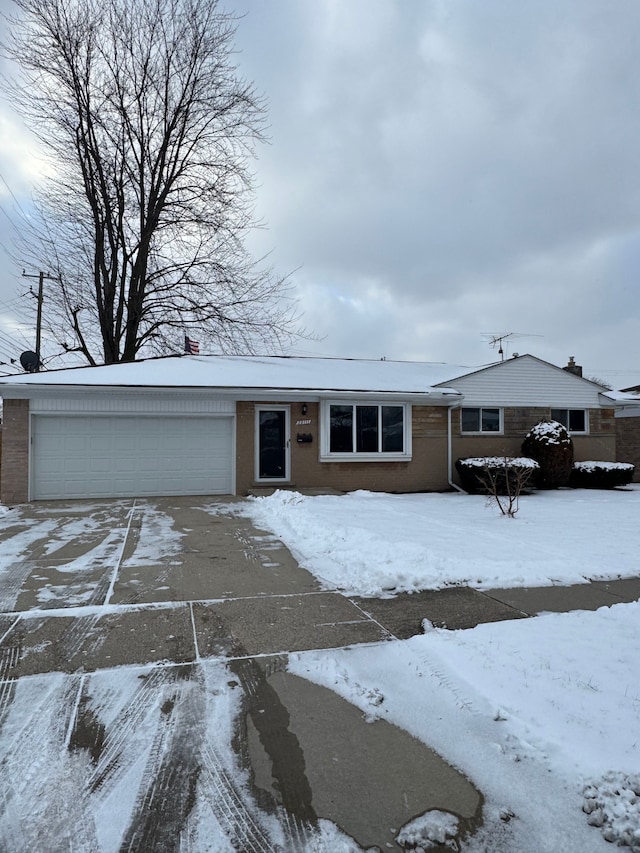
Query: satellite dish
{"x":30,"y":361}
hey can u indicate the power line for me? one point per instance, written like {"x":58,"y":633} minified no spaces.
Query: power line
{"x":7,"y":341}
{"x":14,"y":197}
{"x":16,"y":307}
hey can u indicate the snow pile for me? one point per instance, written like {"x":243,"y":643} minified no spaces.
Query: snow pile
{"x":500,"y":462}
{"x":613,"y":803}
{"x":591,"y":465}
{"x":370,"y":543}
{"x":430,"y":829}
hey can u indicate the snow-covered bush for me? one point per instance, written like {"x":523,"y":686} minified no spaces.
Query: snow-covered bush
{"x":549,"y":443}
{"x":486,"y":474}
{"x":601,"y":475}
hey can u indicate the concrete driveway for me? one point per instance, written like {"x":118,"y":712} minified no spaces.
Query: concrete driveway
{"x":159,"y":581}
{"x":144,"y":698}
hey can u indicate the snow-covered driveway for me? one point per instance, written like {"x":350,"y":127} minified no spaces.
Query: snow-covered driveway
{"x":133,"y":715}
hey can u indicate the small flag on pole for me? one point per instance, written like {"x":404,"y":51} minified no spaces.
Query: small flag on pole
{"x":191,"y":346}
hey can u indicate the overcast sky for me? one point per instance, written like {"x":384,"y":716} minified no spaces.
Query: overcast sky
{"x":439,"y":172}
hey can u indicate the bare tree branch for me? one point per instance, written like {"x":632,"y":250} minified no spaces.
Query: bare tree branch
{"x":150,"y":133}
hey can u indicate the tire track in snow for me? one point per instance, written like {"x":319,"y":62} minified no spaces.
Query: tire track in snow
{"x":242,"y":827}
{"x":8,"y":659}
{"x":182,"y":764}
{"x":11,"y":582}
{"x":83,"y":628}
{"x":167,"y":792}
{"x":116,"y":756}
{"x":42,"y":782}
{"x":14,"y":570}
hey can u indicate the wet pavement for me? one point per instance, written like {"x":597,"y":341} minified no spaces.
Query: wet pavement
{"x":200,"y":608}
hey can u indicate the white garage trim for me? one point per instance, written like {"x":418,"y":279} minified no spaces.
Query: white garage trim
{"x":88,"y":456}
{"x":137,"y":401}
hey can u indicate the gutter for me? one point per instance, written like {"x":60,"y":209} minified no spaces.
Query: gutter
{"x":23,"y":390}
{"x":450,"y":451}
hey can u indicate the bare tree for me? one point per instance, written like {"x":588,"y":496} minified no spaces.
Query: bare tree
{"x":150,"y":133}
{"x":504,"y":480}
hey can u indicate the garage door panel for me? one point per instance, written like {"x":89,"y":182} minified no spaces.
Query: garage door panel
{"x":125,"y":456}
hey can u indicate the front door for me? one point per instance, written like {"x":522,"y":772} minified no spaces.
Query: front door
{"x":273,"y":443}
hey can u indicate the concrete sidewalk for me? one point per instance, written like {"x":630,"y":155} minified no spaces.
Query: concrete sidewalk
{"x":463,"y":607}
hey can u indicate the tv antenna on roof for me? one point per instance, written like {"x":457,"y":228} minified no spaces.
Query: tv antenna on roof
{"x":496,"y":340}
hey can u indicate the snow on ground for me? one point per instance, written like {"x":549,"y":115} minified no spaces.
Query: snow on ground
{"x":368,"y":543}
{"x":542,"y":714}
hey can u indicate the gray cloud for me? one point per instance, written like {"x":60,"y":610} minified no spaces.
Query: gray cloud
{"x":442,"y":169}
{"x":445,"y":169}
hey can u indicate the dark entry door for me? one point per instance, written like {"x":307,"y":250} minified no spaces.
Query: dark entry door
{"x":272,"y":444}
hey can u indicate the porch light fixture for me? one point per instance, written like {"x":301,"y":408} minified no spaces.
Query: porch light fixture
{"x":304,"y":408}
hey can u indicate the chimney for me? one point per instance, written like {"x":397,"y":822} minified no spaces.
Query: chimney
{"x":572,"y":367}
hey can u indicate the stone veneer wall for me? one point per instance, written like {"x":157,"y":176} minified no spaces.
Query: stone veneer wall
{"x":14,"y":480}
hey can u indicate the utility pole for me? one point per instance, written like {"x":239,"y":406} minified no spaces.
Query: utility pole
{"x":41,"y":277}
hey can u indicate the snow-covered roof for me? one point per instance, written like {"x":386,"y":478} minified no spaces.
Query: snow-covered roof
{"x":531,"y":381}
{"x":622,"y":397}
{"x":250,"y":372}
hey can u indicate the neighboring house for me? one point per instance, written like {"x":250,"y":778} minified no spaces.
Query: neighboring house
{"x":191,"y":425}
{"x":628,"y":429}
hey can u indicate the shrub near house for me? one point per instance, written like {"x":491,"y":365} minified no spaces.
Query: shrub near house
{"x":550,"y":444}
{"x":500,"y":474}
{"x":601,"y":475}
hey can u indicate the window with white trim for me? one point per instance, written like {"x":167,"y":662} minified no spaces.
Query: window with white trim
{"x":575,"y":420}
{"x":366,"y":431}
{"x":480,"y":419}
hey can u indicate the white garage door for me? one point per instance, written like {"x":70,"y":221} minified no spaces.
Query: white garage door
{"x":85,"y":456}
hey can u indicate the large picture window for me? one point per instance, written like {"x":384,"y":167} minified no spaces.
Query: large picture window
{"x":368,"y":430}
{"x":480,"y":419}
{"x":575,"y":420}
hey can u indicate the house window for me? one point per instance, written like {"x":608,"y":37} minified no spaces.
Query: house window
{"x":575,"y":420}
{"x":366,"y":431}
{"x":480,"y":420}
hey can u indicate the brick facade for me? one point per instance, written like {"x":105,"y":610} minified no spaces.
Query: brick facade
{"x":14,"y":480}
{"x":628,"y":443}
{"x":427,"y":470}
{"x":600,"y":443}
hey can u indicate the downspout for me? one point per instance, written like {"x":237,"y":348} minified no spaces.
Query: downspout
{"x":450,"y":451}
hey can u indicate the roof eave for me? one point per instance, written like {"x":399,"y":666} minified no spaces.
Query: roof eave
{"x":432,"y":396}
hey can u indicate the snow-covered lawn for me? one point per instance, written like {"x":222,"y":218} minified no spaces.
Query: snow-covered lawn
{"x":369,"y":543}
{"x":542,"y":714}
